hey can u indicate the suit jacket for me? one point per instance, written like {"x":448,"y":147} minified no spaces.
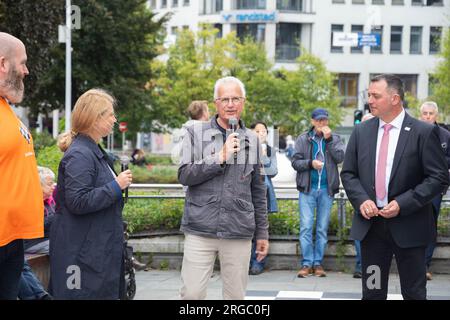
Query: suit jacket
{"x":419,"y":173}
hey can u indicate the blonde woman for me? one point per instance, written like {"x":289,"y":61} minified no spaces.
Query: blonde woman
{"x":86,"y":251}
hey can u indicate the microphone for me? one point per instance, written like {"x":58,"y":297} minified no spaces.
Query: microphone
{"x":233,"y":122}
{"x":124,"y":162}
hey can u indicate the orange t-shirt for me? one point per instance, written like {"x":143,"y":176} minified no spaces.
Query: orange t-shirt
{"x":21,"y":203}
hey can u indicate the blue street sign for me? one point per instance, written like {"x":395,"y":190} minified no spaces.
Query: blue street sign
{"x":369,"y":39}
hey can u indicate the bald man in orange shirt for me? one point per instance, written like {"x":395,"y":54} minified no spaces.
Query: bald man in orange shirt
{"x":21,"y":205}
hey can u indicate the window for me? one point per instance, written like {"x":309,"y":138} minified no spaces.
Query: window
{"x":398,"y":2}
{"x":336,"y":28}
{"x":396,"y":39}
{"x":377,"y":49}
{"x":357,"y":29}
{"x":186,"y":3}
{"x":435,"y":39}
{"x":410,"y":83}
{"x":427,"y":3}
{"x":377,"y":1}
{"x":289,"y":5}
{"x":415,"y":40}
{"x":212,"y":6}
{"x":163,"y":3}
{"x":348,"y":89}
{"x":257,"y":31}
{"x":358,"y":2}
{"x":288,"y":41}
{"x":153,"y":4}
{"x":434,"y":3}
{"x":338,"y":1}
{"x":250,"y":4}
{"x":174,"y":30}
{"x":174,"y":3}
{"x":218,"y":26}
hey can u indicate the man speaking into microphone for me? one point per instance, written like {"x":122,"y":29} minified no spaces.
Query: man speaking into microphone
{"x":226,"y":200}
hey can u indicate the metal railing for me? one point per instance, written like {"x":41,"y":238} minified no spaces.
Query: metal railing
{"x":176,"y":191}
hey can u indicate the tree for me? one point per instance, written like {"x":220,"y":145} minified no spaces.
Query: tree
{"x":278,"y":97}
{"x":441,"y":85}
{"x":194,"y":63}
{"x":309,"y":87}
{"x":36,"y":24}
{"x":112,"y":50}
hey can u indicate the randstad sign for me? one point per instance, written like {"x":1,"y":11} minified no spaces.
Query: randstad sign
{"x":250,"y":16}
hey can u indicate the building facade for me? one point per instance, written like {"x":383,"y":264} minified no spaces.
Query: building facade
{"x":404,"y":35}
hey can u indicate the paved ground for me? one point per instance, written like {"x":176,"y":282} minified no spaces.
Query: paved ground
{"x":164,"y":285}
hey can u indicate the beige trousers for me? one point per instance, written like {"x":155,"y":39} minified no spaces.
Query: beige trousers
{"x":198,"y":264}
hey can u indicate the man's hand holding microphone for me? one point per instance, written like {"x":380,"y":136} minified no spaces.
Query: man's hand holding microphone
{"x":230,"y":148}
{"x":232,"y":144}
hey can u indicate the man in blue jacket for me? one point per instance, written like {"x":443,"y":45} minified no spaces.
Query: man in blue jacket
{"x":317,"y":154}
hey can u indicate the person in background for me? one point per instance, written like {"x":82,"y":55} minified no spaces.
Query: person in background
{"x":318,"y":151}
{"x":21,"y":205}
{"x":198,"y":111}
{"x":30,"y":288}
{"x":290,"y":147}
{"x":269,"y":161}
{"x":429,"y":113}
{"x":138,"y":157}
{"x":87,"y":236}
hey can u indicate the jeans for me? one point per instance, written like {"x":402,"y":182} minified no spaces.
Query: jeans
{"x":11,"y":264}
{"x":430,"y":248}
{"x":255,"y":264}
{"x":358,"y":256}
{"x":320,"y":202}
{"x":30,"y":288}
{"x":272,"y":205}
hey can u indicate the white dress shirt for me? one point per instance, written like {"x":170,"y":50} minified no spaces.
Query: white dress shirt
{"x":394,"y":134}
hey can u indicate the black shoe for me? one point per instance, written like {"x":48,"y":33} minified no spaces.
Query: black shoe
{"x":46,"y":296}
{"x":255,"y":271}
{"x":138,"y":265}
{"x":357,"y":275}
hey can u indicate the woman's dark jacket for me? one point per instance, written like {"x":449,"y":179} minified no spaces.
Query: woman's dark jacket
{"x":86,"y":239}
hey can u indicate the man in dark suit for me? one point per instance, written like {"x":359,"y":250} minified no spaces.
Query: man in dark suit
{"x":393,"y":169}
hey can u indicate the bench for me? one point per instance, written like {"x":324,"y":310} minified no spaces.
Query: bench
{"x":40,"y":264}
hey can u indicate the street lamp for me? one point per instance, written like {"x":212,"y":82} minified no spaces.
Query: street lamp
{"x":68,"y":63}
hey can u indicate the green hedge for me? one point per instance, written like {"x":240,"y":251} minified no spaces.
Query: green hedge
{"x":165,"y":214}
{"x":154,"y":174}
{"x":47,"y":152}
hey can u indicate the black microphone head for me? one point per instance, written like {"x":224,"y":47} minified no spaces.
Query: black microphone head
{"x":233,"y":122}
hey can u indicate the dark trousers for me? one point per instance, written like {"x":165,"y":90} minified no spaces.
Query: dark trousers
{"x":377,"y":250}
{"x":11,"y":264}
{"x":430,"y":249}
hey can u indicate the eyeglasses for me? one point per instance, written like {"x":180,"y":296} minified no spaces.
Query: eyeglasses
{"x":226,"y":101}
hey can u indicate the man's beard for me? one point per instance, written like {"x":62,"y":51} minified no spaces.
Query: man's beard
{"x":14,"y":86}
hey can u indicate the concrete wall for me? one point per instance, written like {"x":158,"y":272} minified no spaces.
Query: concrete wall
{"x":284,"y":254}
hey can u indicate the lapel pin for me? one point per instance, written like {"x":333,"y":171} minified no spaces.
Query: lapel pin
{"x":407,"y":128}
